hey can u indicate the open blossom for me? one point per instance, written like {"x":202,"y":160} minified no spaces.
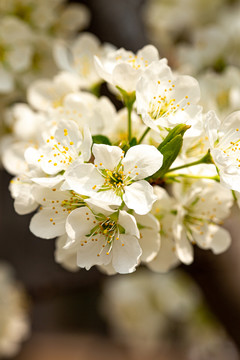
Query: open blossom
{"x":47,"y":94}
{"x":78,"y":58}
{"x":62,"y":148}
{"x":98,"y":114}
{"x":56,"y":205}
{"x":164,"y":99}
{"x":199,"y":213}
{"x":115,"y":177}
{"x":104,"y":237}
{"x":221,"y":91}
{"x":123,"y":68}
{"x":67,"y":249}
{"x":224,"y":139}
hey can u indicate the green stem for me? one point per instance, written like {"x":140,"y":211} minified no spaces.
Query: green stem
{"x":128,"y":99}
{"x":234,"y":195}
{"x":143,"y":135}
{"x":215,"y":178}
{"x":206,"y":159}
{"x":129,"y":108}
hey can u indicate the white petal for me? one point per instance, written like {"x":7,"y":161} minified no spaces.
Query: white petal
{"x":66,"y":257}
{"x":128,"y":222}
{"x":107,"y":269}
{"x":166,"y":259}
{"x":42,"y":226}
{"x":83,"y":177}
{"x":13,"y":158}
{"x":108,"y":156}
{"x":139,"y":196}
{"x":216,"y":238}
{"x":80,"y":222}
{"x":183,"y":247}
{"x":150,"y":244}
{"x":149,"y":236}
{"x":48,"y":181}
{"x":125,"y":76}
{"x":92,"y":253}
{"x":221,"y":239}
{"x":126,"y":253}
{"x":142,"y":161}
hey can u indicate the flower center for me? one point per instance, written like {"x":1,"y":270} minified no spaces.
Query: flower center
{"x":163,"y":103}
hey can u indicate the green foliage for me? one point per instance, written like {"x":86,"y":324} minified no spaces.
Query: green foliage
{"x":101,"y":139}
{"x":170,"y":148}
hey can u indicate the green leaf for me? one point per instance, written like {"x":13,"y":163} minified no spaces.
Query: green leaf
{"x":101,"y":139}
{"x":133,"y":142}
{"x":178,"y":130}
{"x":170,"y":151}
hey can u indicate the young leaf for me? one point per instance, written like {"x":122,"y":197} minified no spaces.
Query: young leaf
{"x":101,"y":139}
{"x":178,"y":130}
{"x":170,"y":151}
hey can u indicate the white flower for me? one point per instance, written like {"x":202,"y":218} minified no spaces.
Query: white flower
{"x":224,"y":139}
{"x":104,"y":237}
{"x":16,"y":51}
{"x":149,"y":236}
{"x":202,"y":52}
{"x":163,"y":210}
{"x":98,"y":114}
{"x":46,"y":94}
{"x":143,"y":306}
{"x":66,"y":255}
{"x":221,"y":91}
{"x":61,"y":149}
{"x":114,"y":178}
{"x":13,"y":313}
{"x":164,"y":99}
{"x":74,"y":17}
{"x":123,"y":68}
{"x":55,"y":207}
{"x":78,"y":58}
{"x":201,"y":209}
{"x":21,"y":188}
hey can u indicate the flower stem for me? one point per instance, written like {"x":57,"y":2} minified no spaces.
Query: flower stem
{"x":128,"y":99}
{"x":206,"y":159}
{"x":143,"y":135}
{"x":234,"y":195}
{"x":129,"y":109}
{"x":188,"y":176}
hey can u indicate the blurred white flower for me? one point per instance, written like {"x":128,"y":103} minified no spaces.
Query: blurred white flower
{"x":141,"y":307}
{"x":78,"y":58}
{"x":14,"y":320}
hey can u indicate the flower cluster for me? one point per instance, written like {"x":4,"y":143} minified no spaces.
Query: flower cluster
{"x":118,"y":188}
{"x":28,"y":29}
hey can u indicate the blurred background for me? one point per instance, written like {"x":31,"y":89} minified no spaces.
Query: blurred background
{"x":192,"y":312}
